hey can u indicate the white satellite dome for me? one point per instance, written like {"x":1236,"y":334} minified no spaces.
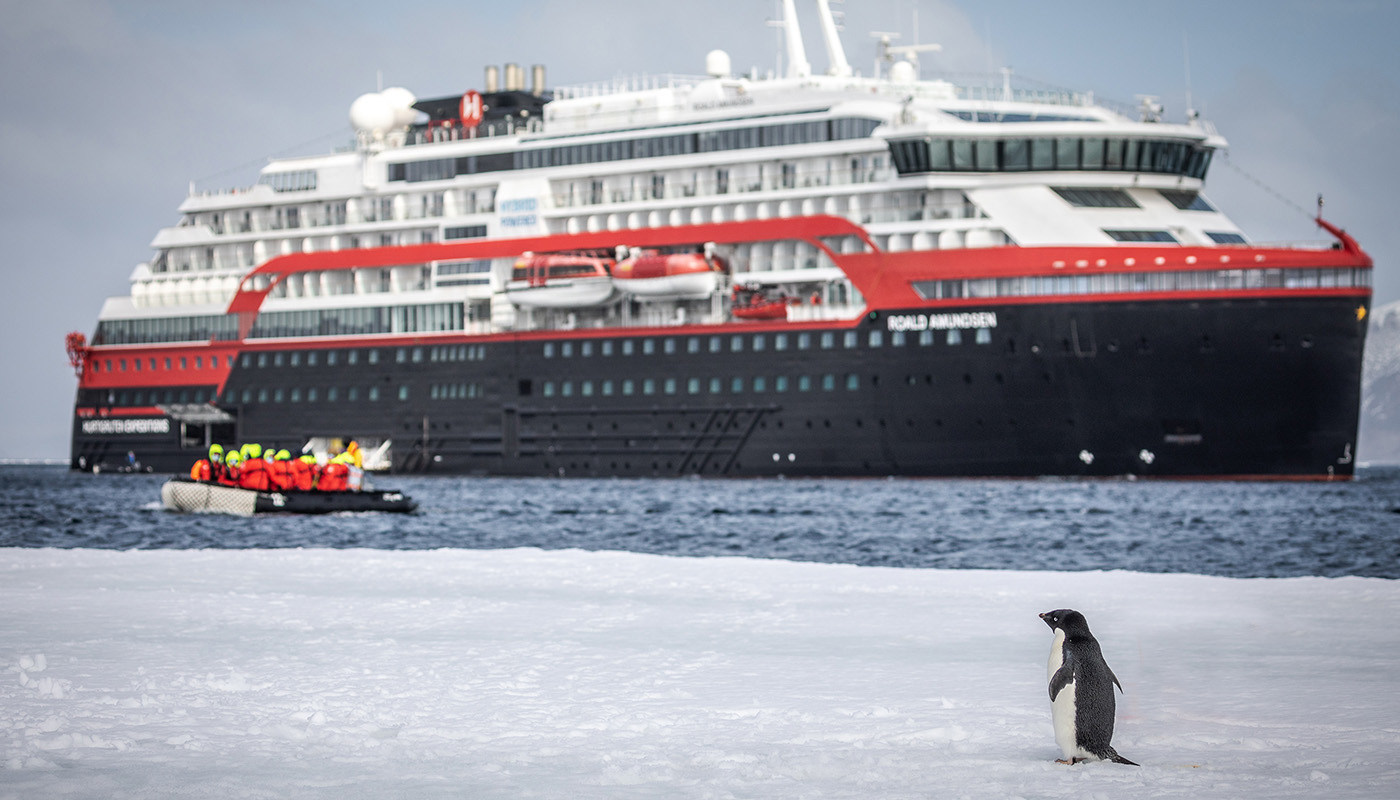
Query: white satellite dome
{"x":717,"y":64}
{"x":903,"y":72}
{"x":401,"y":100}
{"x":372,"y":113}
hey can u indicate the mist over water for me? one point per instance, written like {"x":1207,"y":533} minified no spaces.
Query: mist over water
{"x":1212,"y":528}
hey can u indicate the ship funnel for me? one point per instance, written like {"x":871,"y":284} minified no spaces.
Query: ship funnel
{"x":515,"y":78}
{"x":537,"y":80}
{"x":798,"y":66}
{"x":835,"y":53}
{"x":493,"y":78}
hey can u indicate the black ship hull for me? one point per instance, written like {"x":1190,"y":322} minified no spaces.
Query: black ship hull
{"x":1229,"y":388}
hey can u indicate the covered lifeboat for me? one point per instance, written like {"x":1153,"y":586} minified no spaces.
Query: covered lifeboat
{"x":677,"y":276}
{"x":560,"y":281}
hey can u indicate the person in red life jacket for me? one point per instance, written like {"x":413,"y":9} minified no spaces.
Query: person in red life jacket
{"x":279,"y":473}
{"x":254,"y":473}
{"x":335,"y":477}
{"x":304,"y":473}
{"x":209,"y":469}
{"x":232,"y":467}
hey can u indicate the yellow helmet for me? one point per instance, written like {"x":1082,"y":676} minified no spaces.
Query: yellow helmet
{"x":252,"y":450}
{"x":234,"y":458}
{"x":216,"y":452}
{"x":308,"y":459}
{"x":283,"y":455}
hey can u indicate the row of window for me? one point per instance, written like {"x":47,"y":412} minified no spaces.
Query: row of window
{"x":1080,"y":197}
{"x":936,"y":154}
{"x":695,"y":386}
{"x":276,"y":324}
{"x":359,"y":321}
{"x":1126,"y":283}
{"x":153,"y":364}
{"x":301,"y":180}
{"x":758,"y":342}
{"x":402,"y":355}
{"x":1167,"y":237}
{"x":142,"y":397}
{"x":332,"y":394}
{"x":777,"y":135}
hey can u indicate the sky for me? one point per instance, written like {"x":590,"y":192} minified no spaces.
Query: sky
{"x":109,"y":110}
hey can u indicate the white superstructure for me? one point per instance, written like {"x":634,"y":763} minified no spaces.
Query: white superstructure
{"x":919,"y":164}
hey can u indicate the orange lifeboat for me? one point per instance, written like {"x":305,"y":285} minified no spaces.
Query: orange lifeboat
{"x":560,"y":281}
{"x":755,"y":302}
{"x":678,"y":276}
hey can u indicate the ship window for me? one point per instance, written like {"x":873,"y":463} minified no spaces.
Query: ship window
{"x":648,"y":347}
{"x":828,"y":340}
{"x":607,"y":388}
{"x":262,"y":395}
{"x":401,"y":355}
{"x":668,"y":346}
{"x":1093,"y":154}
{"x":262,"y":361}
{"x":692,"y":386}
{"x":1095,"y":198}
{"x":759,"y":343}
{"x":760,"y":384}
{"x":736,"y":385}
{"x":1042,"y":154}
{"x":198,"y":363}
{"x":352,"y":394}
{"x":804,"y":383}
{"x":547,"y":389}
{"x":627,"y":347}
{"x":852,"y":381}
{"x":716,"y":344}
{"x":628,"y":387}
{"x":331,"y":394}
{"x":985,"y":152}
{"x":296,"y":359}
{"x":167,"y":363}
{"x":692,"y":345}
{"x":716,"y":386}
{"x":585,"y":349}
{"x":374,"y":393}
{"x":780,"y":341}
{"x":566,"y":349}
{"x":566,"y":389}
{"x":372,"y":357}
{"x":606,"y":347}
{"x":352,"y":357}
{"x":1130,"y":154}
{"x":925,"y":338}
{"x":1066,"y":153}
{"x":962,"y":155}
{"x":849,"y":339}
{"x":648,"y":386}
{"x":1141,"y":236}
{"x":277,"y":395}
{"x":877,"y":338}
{"x":1225,"y":237}
{"x":296,"y":395}
{"x":1113,"y":154}
{"x":586,"y":388}
{"x":1186,"y":201}
{"x":136,"y":362}
{"x":1016,"y":155}
{"x":736,"y":344}
{"x":669,"y":385}
{"x":804,"y":341}
{"x":984,"y":335}
{"x":417,"y":355}
{"x":828,"y":382}
{"x":954,"y":336}
{"x":780,"y":383}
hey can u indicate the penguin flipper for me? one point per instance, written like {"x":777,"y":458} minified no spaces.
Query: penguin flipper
{"x":1062,"y":678}
{"x":1114,"y":678}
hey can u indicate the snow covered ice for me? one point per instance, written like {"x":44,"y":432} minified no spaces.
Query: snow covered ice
{"x":516,"y":673}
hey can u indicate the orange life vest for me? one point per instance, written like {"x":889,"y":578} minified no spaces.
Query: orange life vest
{"x":334,"y":477}
{"x":200,"y":471}
{"x":254,"y":475}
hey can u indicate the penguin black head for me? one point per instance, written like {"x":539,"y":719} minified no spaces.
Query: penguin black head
{"x":1068,"y":620}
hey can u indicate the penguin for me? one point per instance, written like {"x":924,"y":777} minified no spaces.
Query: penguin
{"x":1081,"y":691}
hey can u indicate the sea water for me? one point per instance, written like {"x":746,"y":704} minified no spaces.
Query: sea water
{"x":1233,"y":529}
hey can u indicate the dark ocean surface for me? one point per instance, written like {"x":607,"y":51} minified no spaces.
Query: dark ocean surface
{"x":1211,"y":528}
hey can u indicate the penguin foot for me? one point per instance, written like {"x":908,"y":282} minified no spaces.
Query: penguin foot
{"x":1070,"y":761}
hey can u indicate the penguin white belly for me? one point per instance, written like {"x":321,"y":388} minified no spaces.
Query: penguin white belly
{"x":1062,"y":714}
{"x":1062,"y":708}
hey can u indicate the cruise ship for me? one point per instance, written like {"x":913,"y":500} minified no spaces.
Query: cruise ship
{"x":798,"y":274}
